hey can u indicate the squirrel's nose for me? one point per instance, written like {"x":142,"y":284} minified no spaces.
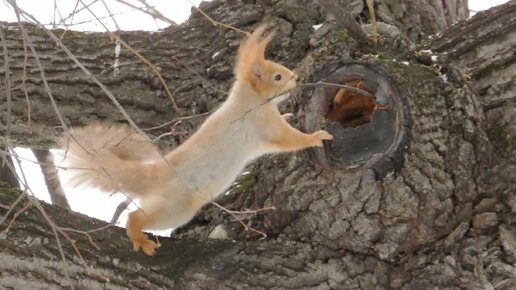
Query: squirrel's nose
{"x":296,"y":77}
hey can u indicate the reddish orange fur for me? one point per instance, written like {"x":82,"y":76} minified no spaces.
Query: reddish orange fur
{"x":251,"y":51}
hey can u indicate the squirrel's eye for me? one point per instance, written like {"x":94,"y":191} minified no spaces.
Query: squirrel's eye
{"x":277,"y":77}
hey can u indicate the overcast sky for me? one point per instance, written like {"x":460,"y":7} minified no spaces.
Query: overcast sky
{"x":92,"y":202}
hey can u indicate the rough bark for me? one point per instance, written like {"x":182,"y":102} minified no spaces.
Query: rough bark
{"x":418,"y":19}
{"x":486,"y":54}
{"x":444,"y":218}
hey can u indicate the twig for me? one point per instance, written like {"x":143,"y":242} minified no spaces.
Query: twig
{"x":37,"y":204}
{"x":71,"y":21}
{"x":217,"y":23}
{"x":153,"y":68}
{"x":39,"y":163}
{"x":234,"y":214}
{"x":72,"y":14}
{"x":142,"y":58}
{"x":176,"y":120}
{"x":254,"y":211}
{"x":87,"y":233}
{"x":18,"y":213}
{"x":55,"y":228}
{"x":85,"y":70}
{"x":4,"y":206}
{"x":110,"y":14}
{"x":7,"y":72}
{"x":90,"y":20}
{"x":82,"y":67}
{"x":372,"y":16}
{"x":350,"y":88}
{"x":40,"y":66}
{"x":172,"y":132}
{"x":149,"y":10}
{"x":13,"y":205}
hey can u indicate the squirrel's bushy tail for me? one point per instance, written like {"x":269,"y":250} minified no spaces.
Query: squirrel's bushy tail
{"x":112,"y":158}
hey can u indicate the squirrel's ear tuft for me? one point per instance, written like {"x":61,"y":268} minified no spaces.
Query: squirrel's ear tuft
{"x":250,"y":63}
{"x":263,"y":44}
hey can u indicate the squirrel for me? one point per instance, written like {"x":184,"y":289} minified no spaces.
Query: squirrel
{"x":173,"y":187}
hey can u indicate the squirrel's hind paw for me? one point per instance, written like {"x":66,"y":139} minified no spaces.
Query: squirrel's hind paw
{"x":148,"y":246}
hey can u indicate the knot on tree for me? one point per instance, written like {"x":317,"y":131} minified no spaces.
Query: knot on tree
{"x":369,"y":127}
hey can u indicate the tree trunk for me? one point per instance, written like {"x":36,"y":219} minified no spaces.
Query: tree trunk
{"x":434,"y":210}
{"x":49,"y":171}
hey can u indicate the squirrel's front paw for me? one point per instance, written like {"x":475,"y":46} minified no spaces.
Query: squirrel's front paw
{"x":319,"y":136}
{"x":148,"y":246}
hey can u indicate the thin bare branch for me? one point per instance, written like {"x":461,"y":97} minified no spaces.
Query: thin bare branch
{"x":79,"y":64}
{"x":372,"y":16}
{"x":252,"y":211}
{"x":37,"y":204}
{"x":12,"y":206}
{"x":16,"y":215}
{"x":341,"y":86}
{"x":40,"y":66}
{"x":72,"y":14}
{"x":176,"y":120}
{"x":218,"y":23}
{"x":149,"y":10}
{"x":110,"y":15}
{"x":67,"y":26}
{"x":71,"y":21}
{"x":142,"y":58}
{"x":87,"y":233}
{"x":235,"y":214}
{"x":7,"y":72}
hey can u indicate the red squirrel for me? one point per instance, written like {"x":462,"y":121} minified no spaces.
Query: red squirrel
{"x":173,"y":187}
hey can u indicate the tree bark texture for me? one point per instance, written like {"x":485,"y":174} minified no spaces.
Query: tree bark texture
{"x":443,"y":218}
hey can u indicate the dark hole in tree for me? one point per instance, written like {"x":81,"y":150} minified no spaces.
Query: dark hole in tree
{"x":369,"y":130}
{"x":350,"y":108}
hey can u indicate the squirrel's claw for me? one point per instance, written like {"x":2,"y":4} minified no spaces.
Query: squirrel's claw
{"x":319,"y":136}
{"x":148,"y":246}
